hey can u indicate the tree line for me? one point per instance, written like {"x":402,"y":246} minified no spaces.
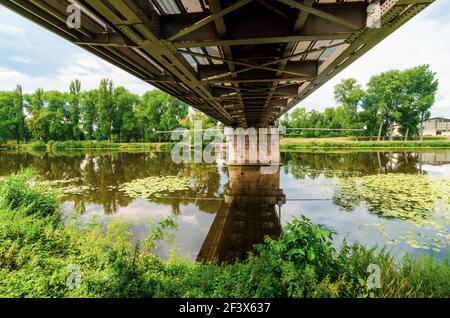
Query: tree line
{"x":402,"y":98}
{"x":396,"y":97}
{"x":106,"y":113}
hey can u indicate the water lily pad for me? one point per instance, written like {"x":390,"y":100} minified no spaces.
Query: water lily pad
{"x":154,"y":186}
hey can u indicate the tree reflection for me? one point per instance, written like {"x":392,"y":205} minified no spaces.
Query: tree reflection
{"x":102,"y":172}
{"x":313,"y":165}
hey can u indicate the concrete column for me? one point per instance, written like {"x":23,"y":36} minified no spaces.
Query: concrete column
{"x":253,"y":146}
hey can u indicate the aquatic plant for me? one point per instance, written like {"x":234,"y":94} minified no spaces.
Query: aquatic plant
{"x":154,"y":186}
{"x":420,"y":200}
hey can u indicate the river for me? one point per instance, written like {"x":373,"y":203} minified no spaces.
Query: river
{"x":224,"y":210}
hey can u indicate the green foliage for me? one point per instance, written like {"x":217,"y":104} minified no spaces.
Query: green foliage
{"x":394,"y":97}
{"x":105,"y":106}
{"x":17,"y":194}
{"x":159,"y":111}
{"x":37,"y":250}
{"x":76,"y":144}
{"x":6,"y":116}
{"x":106,"y":113}
{"x":306,"y":245}
{"x":402,"y":97}
{"x":74,"y":109}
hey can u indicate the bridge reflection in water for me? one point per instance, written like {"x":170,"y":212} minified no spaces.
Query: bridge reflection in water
{"x":249,"y":212}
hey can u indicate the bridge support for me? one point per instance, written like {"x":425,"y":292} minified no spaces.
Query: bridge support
{"x":253,"y":146}
{"x":249,"y":212}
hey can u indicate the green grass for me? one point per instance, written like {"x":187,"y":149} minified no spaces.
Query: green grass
{"x":73,"y":144}
{"x":366,"y":144}
{"x":87,"y":144}
{"x":37,"y":250}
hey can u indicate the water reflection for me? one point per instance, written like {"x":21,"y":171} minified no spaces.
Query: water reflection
{"x":247,"y":214}
{"x":100,"y":174}
{"x":313,"y":165}
{"x":227,"y":210}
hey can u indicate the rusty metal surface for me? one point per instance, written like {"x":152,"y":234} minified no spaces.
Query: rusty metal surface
{"x":243,"y":62}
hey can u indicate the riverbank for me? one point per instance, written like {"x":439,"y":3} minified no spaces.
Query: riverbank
{"x":40,"y":256}
{"x":87,"y":145}
{"x":287,"y":144}
{"x":348,"y":143}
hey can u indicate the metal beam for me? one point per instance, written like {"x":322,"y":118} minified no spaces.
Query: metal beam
{"x":236,"y":62}
{"x":261,"y":80}
{"x":284,"y":59}
{"x":209,"y":19}
{"x":106,"y":39}
{"x":320,"y":13}
{"x":259,"y":41}
{"x":290,"y":47}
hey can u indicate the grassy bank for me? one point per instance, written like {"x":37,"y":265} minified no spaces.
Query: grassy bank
{"x":289,"y":144}
{"x":86,"y":145}
{"x":38,"y":255}
{"x":286,"y":145}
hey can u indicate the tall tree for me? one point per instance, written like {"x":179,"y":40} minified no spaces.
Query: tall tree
{"x":385,"y":93}
{"x":89,"y":117}
{"x":159,"y":111}
{"x":349,"y":95}
{"x":39,"y":123}
{"x":123,"y":117}
{"x":57,"y":109}
{"x":74,"y":109}
{"x":421,"y":87}
{"x":7,"y":123}
{"x":105,"y":105}
{"x":20,"y":129}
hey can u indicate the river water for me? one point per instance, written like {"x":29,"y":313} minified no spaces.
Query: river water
{"x":225,"y":210}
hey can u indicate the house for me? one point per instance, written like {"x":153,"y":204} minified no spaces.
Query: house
{"x":437,"y":126}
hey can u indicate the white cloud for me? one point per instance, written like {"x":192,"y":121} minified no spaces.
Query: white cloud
{"x":83,"y":66}
{"x":21,"y":60}
{"x":11,"y":29}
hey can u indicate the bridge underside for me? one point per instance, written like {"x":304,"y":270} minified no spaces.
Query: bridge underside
{"x":243,"y":62}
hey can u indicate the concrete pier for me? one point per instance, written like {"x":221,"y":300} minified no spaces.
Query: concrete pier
{"x":253,"y":146}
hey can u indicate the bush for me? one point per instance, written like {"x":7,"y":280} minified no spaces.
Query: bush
{"x":16,"y":193}
{"x":76,"y":144}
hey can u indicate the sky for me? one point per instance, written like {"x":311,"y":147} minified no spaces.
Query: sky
{"x":34,"y":57}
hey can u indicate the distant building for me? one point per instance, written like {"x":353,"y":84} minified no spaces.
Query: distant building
{"x":437,"y":126}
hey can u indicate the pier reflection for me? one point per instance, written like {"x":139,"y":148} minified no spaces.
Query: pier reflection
{"x":249,"y":212}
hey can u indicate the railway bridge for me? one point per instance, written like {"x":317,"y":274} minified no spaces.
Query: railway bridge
{"x":243,"y":62}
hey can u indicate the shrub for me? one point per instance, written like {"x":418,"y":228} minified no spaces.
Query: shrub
{"x":16,"y":193}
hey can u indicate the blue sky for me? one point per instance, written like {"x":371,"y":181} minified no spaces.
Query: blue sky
{"x":34,"y":57}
